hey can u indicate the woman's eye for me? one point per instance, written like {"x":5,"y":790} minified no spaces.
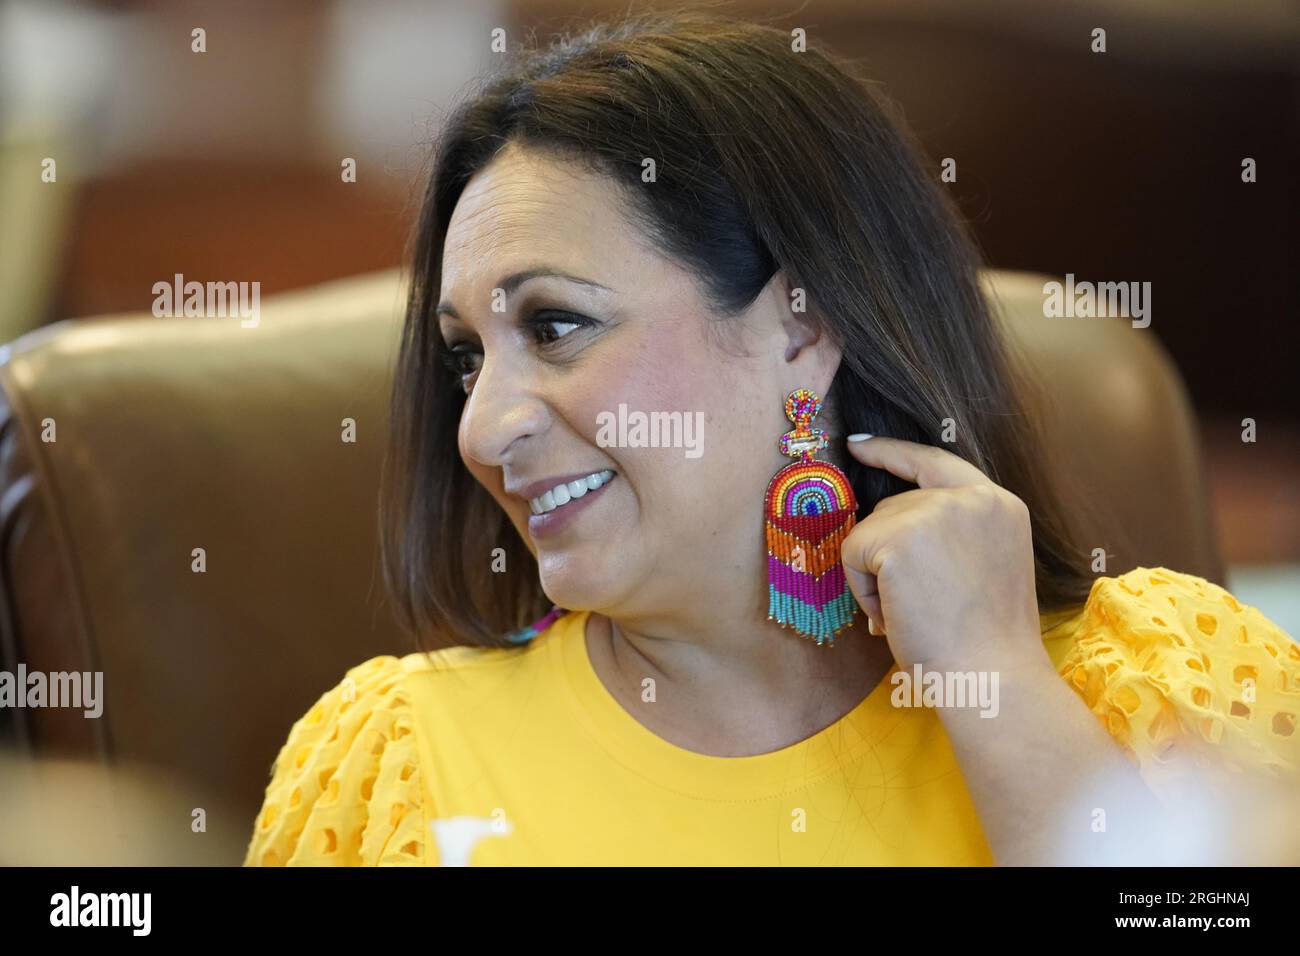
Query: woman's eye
{"x":460,"y":360}
{"x":550,"y":327}
{"x":546,"y":330}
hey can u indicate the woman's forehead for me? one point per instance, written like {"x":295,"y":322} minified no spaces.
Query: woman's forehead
{"x":516,"y":212}
{"x":529,"y":207}
{"x":529,"y":190}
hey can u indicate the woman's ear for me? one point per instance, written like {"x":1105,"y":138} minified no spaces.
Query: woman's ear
{"x":810,"y":355}
{"x":792,"y":307}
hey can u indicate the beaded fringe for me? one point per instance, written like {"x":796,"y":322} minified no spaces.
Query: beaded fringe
{"x":807,"y":590}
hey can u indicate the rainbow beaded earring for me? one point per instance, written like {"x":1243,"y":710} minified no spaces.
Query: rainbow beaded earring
{"x":809,"y":508}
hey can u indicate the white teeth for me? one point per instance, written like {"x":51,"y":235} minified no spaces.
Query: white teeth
{"x":562,"y":494}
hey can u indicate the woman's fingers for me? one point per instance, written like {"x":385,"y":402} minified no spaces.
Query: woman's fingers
{"x":923,"y":465}
{"x":863,"y":586}
{"x":861,"y":553}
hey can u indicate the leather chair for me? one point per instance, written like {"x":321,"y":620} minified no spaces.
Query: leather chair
{"x":177,"y":434}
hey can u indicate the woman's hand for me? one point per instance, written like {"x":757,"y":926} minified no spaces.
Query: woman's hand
{"x":949,"y":569}
{"x":946,"y":570}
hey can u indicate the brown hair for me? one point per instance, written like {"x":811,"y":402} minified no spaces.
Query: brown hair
{"x":766,"y":159}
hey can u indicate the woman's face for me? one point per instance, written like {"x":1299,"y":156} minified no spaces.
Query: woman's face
{"x":547,"y":363}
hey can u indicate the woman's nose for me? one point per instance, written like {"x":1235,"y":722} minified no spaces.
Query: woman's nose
{"x":502,"y":411}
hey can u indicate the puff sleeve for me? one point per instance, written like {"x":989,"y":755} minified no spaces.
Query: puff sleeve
{"x":345,"y":789}
{"x":1185,"y":677}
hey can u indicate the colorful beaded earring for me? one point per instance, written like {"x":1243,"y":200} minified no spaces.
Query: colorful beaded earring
{"x":809,"y":509}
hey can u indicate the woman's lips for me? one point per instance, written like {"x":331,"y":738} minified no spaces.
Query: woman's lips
{"x":553,"y":522}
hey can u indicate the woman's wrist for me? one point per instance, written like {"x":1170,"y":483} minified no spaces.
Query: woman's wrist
{"x":997,"y":653}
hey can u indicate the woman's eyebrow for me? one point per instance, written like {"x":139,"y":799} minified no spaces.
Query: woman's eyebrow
{"x":513,"y":281}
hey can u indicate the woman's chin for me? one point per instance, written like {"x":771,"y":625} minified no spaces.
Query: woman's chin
{"x":575,"y":584}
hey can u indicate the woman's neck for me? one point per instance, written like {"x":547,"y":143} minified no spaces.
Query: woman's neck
{"x":747,"y":691}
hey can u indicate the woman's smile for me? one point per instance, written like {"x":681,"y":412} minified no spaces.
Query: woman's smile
{"x":558,"y":507}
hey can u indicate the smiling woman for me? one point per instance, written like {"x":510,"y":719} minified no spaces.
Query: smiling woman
{"x":686,"y":214}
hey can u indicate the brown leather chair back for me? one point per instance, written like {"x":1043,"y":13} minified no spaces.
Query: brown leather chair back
{"x":1122,"y":440}
{"x":174,"y":435}
{"x":179,"y":434}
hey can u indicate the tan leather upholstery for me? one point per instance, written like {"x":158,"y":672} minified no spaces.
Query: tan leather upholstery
{"x":177,"y":434}
{"x":1123,"y":439}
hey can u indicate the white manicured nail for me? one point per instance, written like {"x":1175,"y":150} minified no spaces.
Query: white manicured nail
{"x":860,"y":436}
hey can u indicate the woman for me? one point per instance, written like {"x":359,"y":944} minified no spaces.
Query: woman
{"x":687,"y":215}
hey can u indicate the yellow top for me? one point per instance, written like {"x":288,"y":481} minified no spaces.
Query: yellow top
{"x":520,"y":756}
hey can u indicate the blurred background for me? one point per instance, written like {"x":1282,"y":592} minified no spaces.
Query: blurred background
{"x":1122,"y":166}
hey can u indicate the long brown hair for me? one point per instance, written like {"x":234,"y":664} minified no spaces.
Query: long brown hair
{"x":766,"y":159}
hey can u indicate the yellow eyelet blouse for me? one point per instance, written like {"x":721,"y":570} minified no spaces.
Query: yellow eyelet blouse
{"x":520,"y":756}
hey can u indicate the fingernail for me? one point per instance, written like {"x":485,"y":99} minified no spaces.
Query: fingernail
{"x":860,"y":436}
{"x":871,"y":626}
